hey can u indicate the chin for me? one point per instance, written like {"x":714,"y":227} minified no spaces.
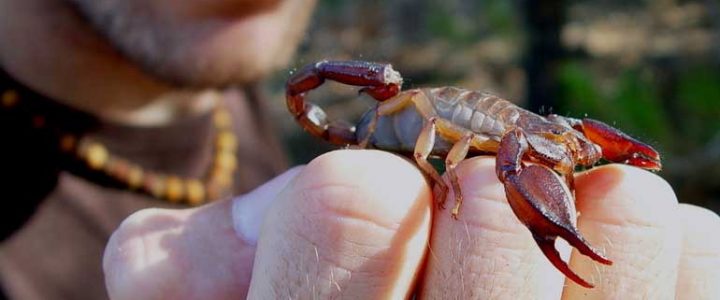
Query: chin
{"x":207,"y":51}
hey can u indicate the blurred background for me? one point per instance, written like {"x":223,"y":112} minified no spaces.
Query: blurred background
{"x":650,"y":68}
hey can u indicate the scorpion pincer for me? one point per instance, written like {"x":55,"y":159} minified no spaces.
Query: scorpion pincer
{"x":452,"y":123}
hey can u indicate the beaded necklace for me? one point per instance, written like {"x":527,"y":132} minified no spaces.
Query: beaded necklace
{"x":103,"y":167}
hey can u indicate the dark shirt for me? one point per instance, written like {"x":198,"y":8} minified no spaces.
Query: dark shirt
{"x":60,"y":221}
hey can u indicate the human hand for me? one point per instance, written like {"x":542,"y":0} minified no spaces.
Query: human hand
{"x":357,"y":224}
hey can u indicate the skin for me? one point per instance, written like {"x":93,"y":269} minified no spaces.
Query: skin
{"x":361,"y":223}
{"x":149,"y":70}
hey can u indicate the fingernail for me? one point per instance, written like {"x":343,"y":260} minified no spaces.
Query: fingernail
{"x":248,"y":210}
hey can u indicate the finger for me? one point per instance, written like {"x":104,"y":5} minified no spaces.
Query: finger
{"x":188,"y":254}
{"x":353,"y":224}
{"x":487,"y":253}
{"x":631,"y":215}
{"x":699,"y":269}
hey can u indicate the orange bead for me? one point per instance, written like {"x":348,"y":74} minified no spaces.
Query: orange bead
{"x":68,"y":142}
{"x":117,"y":168}
{"x":225,"y":160}
{"x":154,"y":185}
{"x":134,"y":176}
{"x":174,"y":189}
{"x":226,"y":141}
{"x":222,"y":119}
{"x":221,"y":177}
{"x":195,"y":192}
{"x":10,"y":98}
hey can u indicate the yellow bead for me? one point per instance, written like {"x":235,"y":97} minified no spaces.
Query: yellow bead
{"x":222,"y":119}
{"x":155,"y":185}
{"x":10,"y":98}
{"x":174,"y":189}
{"x":225,"y":160}
{"x":195,"y":192}
{"x":226,"y":141}
{"x":221,"y":177}
{"x":96,"y":155}
{"x":134,"y":177}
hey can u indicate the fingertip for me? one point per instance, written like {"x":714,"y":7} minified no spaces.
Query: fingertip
{"x":380,"y":186}
{"x":248,"y":211}
{"x":352,"y":222}
{"x":699,"y":223}
{"x":134,"y":254}
{"x":178,"y":254}
{"x":621,"y":194}
{"x":631,"y":215}
{"x":487,"y":252}
{"x":479,"y":171}
{"x":699,"y":268}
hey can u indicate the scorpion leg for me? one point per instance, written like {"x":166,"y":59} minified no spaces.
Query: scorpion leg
{"x":423,"y":148}
{"x":457,"y":153}
{"x":465,"y":140}
{"x":450,"y":132}
{"x":396,"y":104}
{"x":540,"y":199}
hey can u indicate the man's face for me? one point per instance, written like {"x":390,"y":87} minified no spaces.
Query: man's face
{"x":202,"y":42}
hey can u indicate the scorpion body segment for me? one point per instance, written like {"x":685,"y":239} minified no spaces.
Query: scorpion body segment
{"x":481,"y":113}
{"x":452,"y":123}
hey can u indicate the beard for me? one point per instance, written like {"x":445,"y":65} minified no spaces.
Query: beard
{"x":201,"y":49}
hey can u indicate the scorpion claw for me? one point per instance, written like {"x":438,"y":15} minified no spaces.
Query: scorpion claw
{"x":547,"y":246}
{"x":620,"y":147}
{"x":545,"y":205}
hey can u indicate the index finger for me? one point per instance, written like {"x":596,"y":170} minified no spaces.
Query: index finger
{"x":631,"y":215}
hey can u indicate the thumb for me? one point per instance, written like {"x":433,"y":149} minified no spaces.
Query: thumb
{"x":199,"y":253}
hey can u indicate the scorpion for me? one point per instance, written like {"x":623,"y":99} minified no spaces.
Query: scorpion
{"x":453,"y":123}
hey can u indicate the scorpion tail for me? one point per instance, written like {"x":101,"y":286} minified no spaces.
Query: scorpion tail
{"x":378,"y":80}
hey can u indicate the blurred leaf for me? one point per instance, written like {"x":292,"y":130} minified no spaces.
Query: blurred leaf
{"x":639,"y":109}
{"x":501,"y":16}
{"x":577,"y":92}
{"x":444,"y":24}
{"x":698,"y":96}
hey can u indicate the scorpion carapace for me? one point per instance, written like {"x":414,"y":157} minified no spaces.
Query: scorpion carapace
{"x":454,"y":123}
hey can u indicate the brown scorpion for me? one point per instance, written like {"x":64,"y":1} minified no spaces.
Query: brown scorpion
{"x":453,"y":123}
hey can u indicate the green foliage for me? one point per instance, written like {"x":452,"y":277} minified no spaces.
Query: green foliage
{"x":698,"y":101}
{"x":466,"y":23}
{"x":501,"y":16}
{"x":638,"y":107}
{"x":632,"y":103}
{"x":445,"y":24}
{"x":578,"y":94}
